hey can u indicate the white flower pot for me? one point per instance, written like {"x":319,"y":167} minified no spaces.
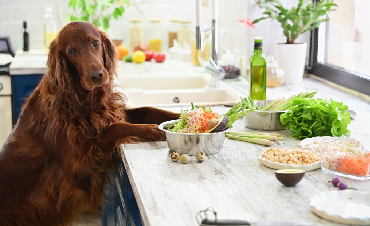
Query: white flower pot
{"x":292,"y":59}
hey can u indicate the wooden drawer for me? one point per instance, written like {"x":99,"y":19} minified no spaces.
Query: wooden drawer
{"x":5,"y":85}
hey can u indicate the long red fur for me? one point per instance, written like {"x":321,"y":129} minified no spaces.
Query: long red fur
{"x":54,"y":165}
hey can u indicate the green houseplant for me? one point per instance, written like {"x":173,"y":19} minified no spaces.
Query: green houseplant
{"x":98,"y":12}
{"x":306,"y":16}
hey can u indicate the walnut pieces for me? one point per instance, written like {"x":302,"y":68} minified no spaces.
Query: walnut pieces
{"x":293,"y":156}
{"x":175,"y":156}
{"x":201,"y":156}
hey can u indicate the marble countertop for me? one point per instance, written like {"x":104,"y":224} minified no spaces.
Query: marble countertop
{"x":232,"y":181}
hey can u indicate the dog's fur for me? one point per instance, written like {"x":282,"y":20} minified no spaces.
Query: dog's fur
{"x":54,"y":165}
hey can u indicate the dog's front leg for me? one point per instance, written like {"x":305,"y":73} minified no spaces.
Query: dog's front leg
{"x":149,"y":115}
{"x":121,"y":130}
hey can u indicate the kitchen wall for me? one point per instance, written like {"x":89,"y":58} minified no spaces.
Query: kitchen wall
{"x":13,"y":12}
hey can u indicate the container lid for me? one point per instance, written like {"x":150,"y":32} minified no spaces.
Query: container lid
{"x":135,"y":19}
{"x":155,"y":20}
{"x":185,"y":21}
{"x":174,"y":20}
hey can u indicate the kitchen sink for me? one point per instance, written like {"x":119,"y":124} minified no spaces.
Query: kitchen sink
{"x":171,"y":91}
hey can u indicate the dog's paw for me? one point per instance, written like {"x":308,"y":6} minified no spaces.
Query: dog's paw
{"x":154,"y":133}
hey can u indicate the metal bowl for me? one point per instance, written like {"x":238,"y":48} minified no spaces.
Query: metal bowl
{"x":264,"y":120}
{"x":191,"y":144}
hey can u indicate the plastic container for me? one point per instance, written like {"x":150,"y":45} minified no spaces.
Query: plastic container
{"x":136,"y":33}
{"x":347,"y":156}
{"x":50,"y":28}
{"x":155,"y":40}
{"x":274,"y":74}
{"x":205,"y":52}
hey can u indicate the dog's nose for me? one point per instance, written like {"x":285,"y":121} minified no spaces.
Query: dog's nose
{"x":96,"y":75}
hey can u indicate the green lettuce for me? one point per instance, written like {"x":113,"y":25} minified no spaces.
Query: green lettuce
{"x":309,"y":117}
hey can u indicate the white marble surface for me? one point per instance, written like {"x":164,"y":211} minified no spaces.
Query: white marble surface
{"x":26,"y":64}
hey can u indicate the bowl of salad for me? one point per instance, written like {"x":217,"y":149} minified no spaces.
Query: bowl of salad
{"x":202,"y":130}
{"x":347,"y":156}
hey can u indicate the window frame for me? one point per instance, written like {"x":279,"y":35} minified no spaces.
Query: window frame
{"x":338,"y":75}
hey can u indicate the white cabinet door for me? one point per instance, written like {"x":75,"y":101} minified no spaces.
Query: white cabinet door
{"x":5,"y":118}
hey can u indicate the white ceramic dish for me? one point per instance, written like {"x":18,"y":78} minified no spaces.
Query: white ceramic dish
{"x":314,"y":142}
{"x":345,"y":207}
{"x":276,"y":165}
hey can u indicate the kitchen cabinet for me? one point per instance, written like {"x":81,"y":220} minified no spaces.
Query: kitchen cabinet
{"x":5,"y":108}
{"x":23,"y":86}
{"x":120,"y":206}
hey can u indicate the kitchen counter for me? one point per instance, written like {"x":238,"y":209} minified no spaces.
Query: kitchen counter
{"x":233,"y":181}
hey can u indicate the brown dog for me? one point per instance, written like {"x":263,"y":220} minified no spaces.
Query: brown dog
{"x":53,"y":166}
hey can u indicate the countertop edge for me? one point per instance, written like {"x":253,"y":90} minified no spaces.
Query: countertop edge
{"x":143,"y":215}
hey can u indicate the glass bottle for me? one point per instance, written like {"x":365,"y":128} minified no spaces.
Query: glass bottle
{"x":172,"y":33}
{"x":25,"y":33}
{"x":155,"y":41}
{"x":50,"y":28}
{"x":257,"y":80}
{"x":184,"y":34}
{"x":136,"y":33}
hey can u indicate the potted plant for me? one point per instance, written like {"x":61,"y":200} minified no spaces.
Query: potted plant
{"x":307,"y":16}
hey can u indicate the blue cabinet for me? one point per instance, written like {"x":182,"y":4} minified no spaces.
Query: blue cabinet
{"x":120,"y":206}
{"x":22,"y":87}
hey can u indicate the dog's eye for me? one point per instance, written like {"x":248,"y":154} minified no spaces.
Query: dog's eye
{"x":72,"y":52}
{"x":96,"y":43}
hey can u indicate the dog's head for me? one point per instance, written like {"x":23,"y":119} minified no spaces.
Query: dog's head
{"x":81,"y":53}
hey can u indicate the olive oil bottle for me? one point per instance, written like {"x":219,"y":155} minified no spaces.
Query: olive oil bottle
{"x":257,"y":79}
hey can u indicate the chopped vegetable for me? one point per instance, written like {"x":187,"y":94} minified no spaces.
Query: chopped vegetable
{"x":316,"y":117}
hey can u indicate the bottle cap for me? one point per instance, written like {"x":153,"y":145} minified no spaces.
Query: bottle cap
{"x":24,"y":24}
{"x":258,"y":41}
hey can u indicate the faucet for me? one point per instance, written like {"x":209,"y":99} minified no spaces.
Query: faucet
{"x":212,"y":68}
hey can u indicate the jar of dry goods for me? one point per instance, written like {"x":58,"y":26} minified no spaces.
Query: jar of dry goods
{"x":184,"y":33}
{"x":155,"y":38}
{"x":136,"y":32}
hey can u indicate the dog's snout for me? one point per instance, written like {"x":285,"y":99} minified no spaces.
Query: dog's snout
{"x":96,"y":75}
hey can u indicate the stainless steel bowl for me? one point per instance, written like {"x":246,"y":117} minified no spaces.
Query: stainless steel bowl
{"x":264,"y":120}
{"x":191,"y":144}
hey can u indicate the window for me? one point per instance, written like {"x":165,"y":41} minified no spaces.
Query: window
{"x":340,"y":48}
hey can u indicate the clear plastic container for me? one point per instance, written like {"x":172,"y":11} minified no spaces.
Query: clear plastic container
{"x":347,"y":156}
{"x":155,"y":40}
{"x":50,"y":27}
{"x":184,"y":34}
{"x":274,"y":74}
{"x":136,"y":33}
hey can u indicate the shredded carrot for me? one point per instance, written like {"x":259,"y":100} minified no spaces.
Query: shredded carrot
{"x":355,"y":164}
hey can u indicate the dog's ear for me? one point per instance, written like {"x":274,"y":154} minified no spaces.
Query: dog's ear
{"x":109,"y":53}
{"x":57,"y":72}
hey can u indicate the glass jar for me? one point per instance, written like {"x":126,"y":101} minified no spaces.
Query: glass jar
{"x":136,"y":33}
{"x":205,"y":52}
{"x":50,"y":29}
{"x":347,"y":156}
{"x":184,"y":34}
{"x":172,"y":31}
{"x":155,"y":40}
{"x":194,"y":51}
{"x":274,"y":74}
